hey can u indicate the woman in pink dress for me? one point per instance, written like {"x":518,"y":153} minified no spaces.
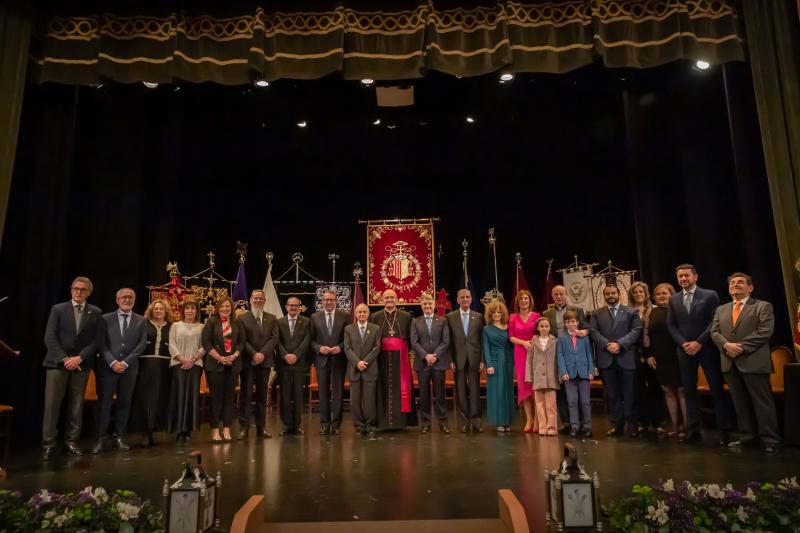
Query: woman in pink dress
{"x":521,"y":328}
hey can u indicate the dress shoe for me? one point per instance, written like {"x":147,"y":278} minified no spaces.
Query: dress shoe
{"x":444,"y":429}
{"x":425,"y":429}
{"x":263,"y":433}
{"x":325,"y":430}
{"x":464,"y":429}
{"x":564,"y":429}
{"x":360,"y":432}
{"x":724,"y":438}
{"x":586,"y":433}
{"x":741,"y":443}
{"x":614,"y":432}
{"x":477,"y":429}
{"x":72,"y":449}
{"x":242,"y":434}
{"x":633,"y":433}
{"x":770,"y":448}
{"x":47,"y":452}
{"x":573,"y":433}
{"x":98,"y":446}
{"x":371,"y":433}
{"x":285,"y":431}
{"x":299,"y":430}
{"x":120,"y":445}
{"x":335,"y":431}
{"x":691,"y":438}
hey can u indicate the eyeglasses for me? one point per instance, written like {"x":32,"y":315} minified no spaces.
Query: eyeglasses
{"x":79,"y":289}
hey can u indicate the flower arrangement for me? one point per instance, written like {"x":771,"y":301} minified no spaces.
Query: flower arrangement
{"x":667,"y":508}
{"x":87,"y":510}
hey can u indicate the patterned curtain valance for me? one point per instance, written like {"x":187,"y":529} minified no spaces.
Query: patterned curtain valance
{"x":555,"y":36}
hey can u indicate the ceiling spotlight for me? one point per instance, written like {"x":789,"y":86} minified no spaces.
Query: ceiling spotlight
{"x":150,"y":84}
{"x":391,"y":126}
{"x":96,"y":85}
{"x":367,"y":81}
{"x":376,"y":122}
{"x":261,"y":83}
{"x":302,"y":124}
{"x":702,"y":65}
{"x":470,"y":120}
{"x":506,"y":76}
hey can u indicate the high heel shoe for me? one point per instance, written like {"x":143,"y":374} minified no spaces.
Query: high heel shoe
{"x":215,"y":437}
{"x":226,"y":435}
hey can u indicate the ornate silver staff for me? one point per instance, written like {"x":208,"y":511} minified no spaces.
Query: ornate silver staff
{"x":333,"y":258}
{"x":464,"y":245}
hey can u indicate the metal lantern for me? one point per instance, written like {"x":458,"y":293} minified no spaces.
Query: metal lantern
{"x":192,"y":502}
{"x":572,"y":502}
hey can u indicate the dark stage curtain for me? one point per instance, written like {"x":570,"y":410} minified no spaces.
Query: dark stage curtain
{"x":773,"y":30}
{"x":15,"y":33}
{"x":400,"y":40}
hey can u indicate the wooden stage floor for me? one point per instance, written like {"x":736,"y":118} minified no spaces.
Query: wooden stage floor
{"x":397,"y":476}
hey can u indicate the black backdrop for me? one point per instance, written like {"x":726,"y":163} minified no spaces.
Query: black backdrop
{"x":646,"y":168}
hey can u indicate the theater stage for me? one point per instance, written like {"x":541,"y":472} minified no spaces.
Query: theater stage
{"x":396,"y":476}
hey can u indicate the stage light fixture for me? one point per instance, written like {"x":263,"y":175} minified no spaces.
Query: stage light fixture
{"x":702,"y":65}
{"x":150,"y":84}
{"x":96,"y":85}
{"x":302,"y":124}
{"x":376,"y":122}
{"x":470,"y":120}
{"x":506,"y":76}
{"x":367,"y":81}
{"x":261,"y":83}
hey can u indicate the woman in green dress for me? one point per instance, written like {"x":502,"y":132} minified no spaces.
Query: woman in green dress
{"x":499,"y":355}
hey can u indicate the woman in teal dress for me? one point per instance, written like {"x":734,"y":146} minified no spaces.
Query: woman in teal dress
{"x":499,"y":355}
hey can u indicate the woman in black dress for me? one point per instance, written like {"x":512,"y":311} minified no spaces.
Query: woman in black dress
{"x":152,"y":392}
{"x":223,"y":342}
{"x":663,"y":358}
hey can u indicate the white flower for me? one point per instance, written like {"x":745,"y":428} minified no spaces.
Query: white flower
{"x":127,"y":511}
{"x":50,"y":514}
{"x":668,"y":486}
{"x":691,"y":489}
{"x":741,"y":514}
{"x":44,"y":495}
{"x":714,"y":491}
{"x":659,"y":513}
{"x":45,"y":524}
{"x":790,"y":482}
{"x":60,"y":520}
{"x":729,"y":487}
{"x":100,"y":495}
{"x":723,"y":517}
{"x":750,"y":495}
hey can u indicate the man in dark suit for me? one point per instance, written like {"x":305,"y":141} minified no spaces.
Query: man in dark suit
{"x":556,"y":316}
{"x":72,"y":337}
{"x":261,"y":336}
{"x":362,"y":344}
{"x":741,"y":329}
{"x":615,"y":329}
{"x":124,"y":341}
{"x":430,"y":338}
{"x":466,"y":349}
{"x":689,"y":315}
{"x":294,"y":340}
{"x":327,"y":340}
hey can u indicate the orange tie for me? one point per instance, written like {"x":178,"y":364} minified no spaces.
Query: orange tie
{"x":737,"y":308}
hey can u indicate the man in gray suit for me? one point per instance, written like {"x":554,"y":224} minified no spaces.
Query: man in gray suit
{"x":615,"y":329}
{"x":741,"y":329}
{"x":72,"y":337}
{"x":430,"y":338}
{"x":294,"y":340}
{"x":327,"y":340}
{"x":117,"y":368}
{"x":556,"y":316}
{"x":362,"y":344}
{"x":466,"y":348}
{"x":261,"y":336}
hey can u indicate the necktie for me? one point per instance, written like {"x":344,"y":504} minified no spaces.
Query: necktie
{"x":362,"y":327}
{"x":125,"y":324}
{"x":429,"y":320}
{"x":291,"y":326}
{"x":259,"y":320}
{"x":574,"y":341}
{"x":687,"y":301}
{"x":737,"y":308}
{"x":465,"y":322}
{"x":78,"y":317}
{"x":329,"y":321}
{"x":613,"y":313}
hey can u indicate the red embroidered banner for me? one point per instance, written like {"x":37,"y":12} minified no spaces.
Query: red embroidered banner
{"x":400,"y":257}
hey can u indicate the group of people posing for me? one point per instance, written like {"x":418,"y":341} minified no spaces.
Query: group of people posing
{"x":149,"y":367}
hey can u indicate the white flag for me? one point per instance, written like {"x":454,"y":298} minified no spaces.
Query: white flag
{"x":273,"y":305}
